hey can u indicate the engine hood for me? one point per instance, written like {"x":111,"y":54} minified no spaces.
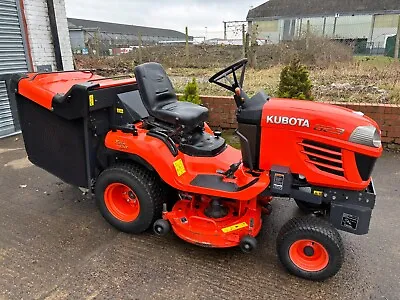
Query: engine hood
{"x":314,"y":117}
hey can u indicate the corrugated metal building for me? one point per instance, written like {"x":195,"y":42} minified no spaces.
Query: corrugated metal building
{"x":369,"y":20}
{"x":27,"y":43}
{"x":95,"y":34}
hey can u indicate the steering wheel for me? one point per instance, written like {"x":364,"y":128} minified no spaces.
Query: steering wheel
{"x":241,"y":64}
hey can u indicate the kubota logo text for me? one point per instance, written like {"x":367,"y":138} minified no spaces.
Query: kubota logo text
{"x":288,"y":121}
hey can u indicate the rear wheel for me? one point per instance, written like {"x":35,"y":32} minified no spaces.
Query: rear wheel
{"x":310,"y":248}
{"x":129,"y":197}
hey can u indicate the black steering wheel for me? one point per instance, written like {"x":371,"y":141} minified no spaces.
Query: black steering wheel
{"x":241,"y":64}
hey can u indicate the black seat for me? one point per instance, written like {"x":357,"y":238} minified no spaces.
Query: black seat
{"x":159,"y":98}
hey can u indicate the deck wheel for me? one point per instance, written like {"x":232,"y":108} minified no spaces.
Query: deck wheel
{"x":248,"y":244}
{"x":161,"y":227}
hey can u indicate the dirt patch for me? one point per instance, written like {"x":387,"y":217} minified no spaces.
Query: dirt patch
{"x":18,"y":164}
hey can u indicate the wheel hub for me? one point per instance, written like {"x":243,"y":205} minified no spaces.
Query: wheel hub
{"x":122,"y":202}
{"x":309,"y":255}
{"x":309,"y":251}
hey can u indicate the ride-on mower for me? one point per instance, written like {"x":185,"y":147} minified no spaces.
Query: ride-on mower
{"x":152,"y":160}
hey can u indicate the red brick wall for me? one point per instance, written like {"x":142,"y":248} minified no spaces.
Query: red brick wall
{"x":222,"y":115}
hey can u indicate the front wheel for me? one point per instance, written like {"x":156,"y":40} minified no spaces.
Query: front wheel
{"x":310,"y":248}
{"x":129,"y":197}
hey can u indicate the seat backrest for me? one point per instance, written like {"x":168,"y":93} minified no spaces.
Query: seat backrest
{"x":155,"y":87}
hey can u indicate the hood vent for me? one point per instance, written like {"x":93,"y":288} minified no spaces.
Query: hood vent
{"x":325,"y":157}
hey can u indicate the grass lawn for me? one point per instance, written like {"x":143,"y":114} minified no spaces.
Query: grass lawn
{"x":231,"y":138}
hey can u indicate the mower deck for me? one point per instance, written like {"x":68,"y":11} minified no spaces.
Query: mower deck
{"x":190,"y":223}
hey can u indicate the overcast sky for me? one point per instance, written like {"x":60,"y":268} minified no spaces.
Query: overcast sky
{"x":171,"y":14}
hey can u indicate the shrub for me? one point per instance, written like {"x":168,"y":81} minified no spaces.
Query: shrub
{"x":295,"y":82}
{"x":191,"y":93}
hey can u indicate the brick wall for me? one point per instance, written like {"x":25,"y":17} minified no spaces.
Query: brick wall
{"x":39,"y":33}
{"x":222,"y":115}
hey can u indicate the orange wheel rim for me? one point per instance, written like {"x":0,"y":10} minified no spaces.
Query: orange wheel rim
{"x":122,"y":202}
{"x":309,"y":255}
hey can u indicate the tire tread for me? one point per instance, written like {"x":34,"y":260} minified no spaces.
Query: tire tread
{"x":312,"y":224}
{"x":147,"y":179}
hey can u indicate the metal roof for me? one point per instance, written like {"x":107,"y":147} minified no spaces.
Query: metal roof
{"x":309,"y":8}
{"x":125,"y":29}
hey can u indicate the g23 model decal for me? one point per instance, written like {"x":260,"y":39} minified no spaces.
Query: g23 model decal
{"x":329,"y":129}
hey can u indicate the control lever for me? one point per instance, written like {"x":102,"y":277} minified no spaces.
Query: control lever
{"x":231,"y":171}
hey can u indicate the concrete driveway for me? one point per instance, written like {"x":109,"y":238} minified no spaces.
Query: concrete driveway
{"x":55,"y":245}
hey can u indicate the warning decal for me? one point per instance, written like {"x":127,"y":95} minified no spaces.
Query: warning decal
{"x":234,"y":227}
{"x":179,"y":167}
{"x":91,"y":100}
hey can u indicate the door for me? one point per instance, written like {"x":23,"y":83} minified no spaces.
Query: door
{"x":12,"y":60}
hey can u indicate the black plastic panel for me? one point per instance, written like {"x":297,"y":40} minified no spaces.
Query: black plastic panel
{"x":251,"y":111}
{"x":350,"y":218}
{"x":253,"y":135}
{"x":54,"y":144}
{"x":134,"y":105}
{"x":365,"y":165}
{"x":203,"y":145}
{"x":216,"y":182}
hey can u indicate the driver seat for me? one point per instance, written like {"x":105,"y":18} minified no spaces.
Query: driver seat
{"x":160,"y":100}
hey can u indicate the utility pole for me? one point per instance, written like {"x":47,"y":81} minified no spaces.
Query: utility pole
{"x":244,"y":40}
{"x":187,"y":43}
{"x":334,"y":25}
{"x":225,"y":31}
{"x":253,"y":45}
{"x":397,"y":45}
{"x":308,"y":34}
{"x":300,"y":29}
{"x":324,"y":28}
{"x":97,"y":41}
{"x":140,"y":47}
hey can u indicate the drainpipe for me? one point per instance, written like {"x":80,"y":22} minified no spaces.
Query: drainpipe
{"x":54,"y":35}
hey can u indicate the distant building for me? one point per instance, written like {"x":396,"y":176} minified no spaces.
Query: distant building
{"x":219,"y":41}
{"x":371,"y":21}
{"x":103,"y":36}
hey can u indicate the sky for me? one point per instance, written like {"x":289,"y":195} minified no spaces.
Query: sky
{"x":170,"y":14}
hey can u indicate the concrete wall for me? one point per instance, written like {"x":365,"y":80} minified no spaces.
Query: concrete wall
{"x":223,"y":109}
{"x":39,"y":33}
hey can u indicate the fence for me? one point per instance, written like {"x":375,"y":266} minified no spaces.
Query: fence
{"x":367,"y":34}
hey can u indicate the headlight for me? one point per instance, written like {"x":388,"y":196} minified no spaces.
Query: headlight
{"x":366,"y":135}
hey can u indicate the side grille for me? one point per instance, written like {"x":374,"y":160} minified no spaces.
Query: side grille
{"x":325,"y":157}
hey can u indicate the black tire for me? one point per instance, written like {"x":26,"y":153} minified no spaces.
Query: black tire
{"x":309,"y":208}
{"x":248,"y":244}
{"x":323,"y":234}
{"x":146,"y":186}
{"x":161,"y":227}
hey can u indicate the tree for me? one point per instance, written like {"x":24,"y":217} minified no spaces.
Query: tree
{"x":191,"y":93}
{"x":295,"y":82}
